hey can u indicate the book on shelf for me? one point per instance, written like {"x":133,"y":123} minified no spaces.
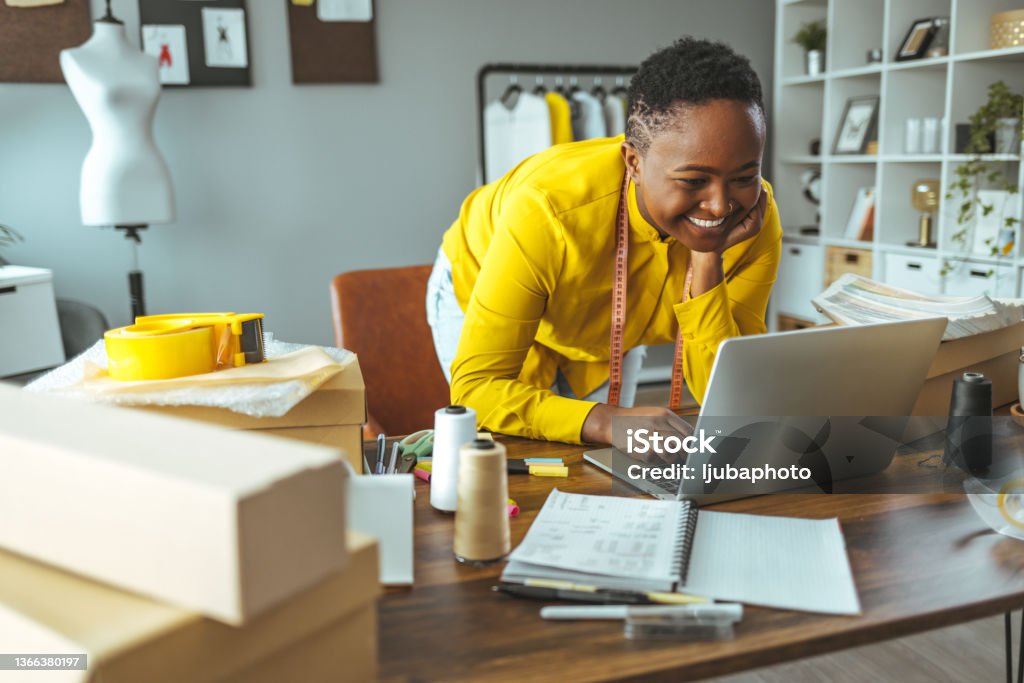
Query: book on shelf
{"x":857,"y":300}
{"x":638,"y":544}
{"x":861,"y":223}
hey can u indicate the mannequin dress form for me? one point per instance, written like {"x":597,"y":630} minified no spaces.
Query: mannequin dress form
{"x":125,"y":181}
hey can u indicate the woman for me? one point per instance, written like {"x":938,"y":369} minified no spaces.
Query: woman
{"x":520,"y":300}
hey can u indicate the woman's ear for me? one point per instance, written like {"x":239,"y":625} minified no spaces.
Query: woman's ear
{"x":631,"y":157}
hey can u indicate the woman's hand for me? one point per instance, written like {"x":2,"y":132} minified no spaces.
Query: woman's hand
{"x":749,"y":226}
{"x":598,"y":426}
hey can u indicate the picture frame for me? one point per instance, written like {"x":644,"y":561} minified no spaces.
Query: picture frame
{"x":857,"y":125}
{"x":919,"y":37}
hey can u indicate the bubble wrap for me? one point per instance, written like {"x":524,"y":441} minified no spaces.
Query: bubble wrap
{"x":258,"y":399}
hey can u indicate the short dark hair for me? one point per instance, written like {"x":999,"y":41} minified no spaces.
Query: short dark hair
{"x":690,"y":71}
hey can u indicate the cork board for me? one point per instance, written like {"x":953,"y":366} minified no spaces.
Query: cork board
{"x":331,"y":51}
{"x":31,"y":39}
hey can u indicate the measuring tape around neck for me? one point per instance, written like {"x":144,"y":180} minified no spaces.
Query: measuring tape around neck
{"x":619,"y":287}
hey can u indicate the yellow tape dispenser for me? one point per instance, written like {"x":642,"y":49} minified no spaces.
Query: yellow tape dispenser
{"x":182,"y":344}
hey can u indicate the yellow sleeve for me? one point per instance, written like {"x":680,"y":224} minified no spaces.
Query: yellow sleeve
{"x":516,"y":277}
{"x":734,"y":307}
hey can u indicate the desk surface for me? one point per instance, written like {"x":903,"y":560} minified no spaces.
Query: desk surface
{"x":920,"y":561}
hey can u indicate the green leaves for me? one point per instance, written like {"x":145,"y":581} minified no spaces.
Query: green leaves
{"x":8,"y":236}
{"x":811,"y":36}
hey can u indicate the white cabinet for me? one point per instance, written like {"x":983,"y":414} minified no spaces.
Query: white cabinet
{"x":973,"y":279}
{"x":29,"y":329}
{"x":918,"y":273}
{"x":802,"y":266}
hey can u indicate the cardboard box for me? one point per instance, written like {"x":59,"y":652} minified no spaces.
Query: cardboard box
{"x":219,"y":521}
{"x":995,"y":354}
{"x":326,"y":632}
{"x":333,"y":415}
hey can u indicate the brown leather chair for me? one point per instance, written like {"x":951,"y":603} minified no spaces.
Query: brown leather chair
{"x":381,"y":316}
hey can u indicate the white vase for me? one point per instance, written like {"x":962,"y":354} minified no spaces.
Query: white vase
{"x":1007,"y":136}
{"x":814,"y":60}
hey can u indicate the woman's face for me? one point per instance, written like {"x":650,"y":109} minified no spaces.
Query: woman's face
{"x":702,"y":175}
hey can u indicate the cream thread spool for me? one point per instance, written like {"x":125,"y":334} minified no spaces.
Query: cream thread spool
{"x":481,"y":522}
{"x":454,"y":426}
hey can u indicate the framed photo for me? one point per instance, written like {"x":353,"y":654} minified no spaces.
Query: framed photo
{"x":857,"y":126}
{"x":918,"y":38}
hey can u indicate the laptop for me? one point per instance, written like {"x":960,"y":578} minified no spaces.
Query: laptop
{"x":834,"y":399}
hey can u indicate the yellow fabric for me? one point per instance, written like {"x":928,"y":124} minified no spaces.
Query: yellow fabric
{"x":533,"y":264}
{"x":561,"y":118}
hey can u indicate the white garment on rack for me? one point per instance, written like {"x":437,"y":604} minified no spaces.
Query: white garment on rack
{"x":614,"y":115}
{"x":511,"y":135}
{"x":589,"y":120}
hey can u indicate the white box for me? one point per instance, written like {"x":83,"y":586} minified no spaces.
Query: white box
{"x":802,"y":264}
{"x":31,"y":331}
{"x":917,"y":273}
{"x":223,"y":522}
{"x":975,"y":279}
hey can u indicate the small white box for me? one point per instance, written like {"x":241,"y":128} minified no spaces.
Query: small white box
{"x":31,"y":338}
{"x":916,"y":273}
{"x":223,"y":522}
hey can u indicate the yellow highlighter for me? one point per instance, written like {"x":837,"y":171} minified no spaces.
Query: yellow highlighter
{"x":183,"y":344}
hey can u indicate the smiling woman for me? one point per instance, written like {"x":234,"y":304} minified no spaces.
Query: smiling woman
{"x":672,"y":221}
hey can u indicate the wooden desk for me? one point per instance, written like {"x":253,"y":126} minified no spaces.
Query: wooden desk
{"x":920,"y":562}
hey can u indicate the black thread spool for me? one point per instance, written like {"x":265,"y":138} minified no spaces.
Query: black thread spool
{"x":969,"y":430}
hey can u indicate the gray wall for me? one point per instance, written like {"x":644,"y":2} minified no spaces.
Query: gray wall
{"x":280,"y":187}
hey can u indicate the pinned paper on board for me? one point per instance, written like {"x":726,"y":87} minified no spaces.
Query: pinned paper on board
{"x":224,"y":38}
{"x":167,"y":44}
{"x":344,"y":10}
{"x":214,"y":34}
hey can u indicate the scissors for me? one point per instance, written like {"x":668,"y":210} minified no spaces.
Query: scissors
{"x":420,"y":444}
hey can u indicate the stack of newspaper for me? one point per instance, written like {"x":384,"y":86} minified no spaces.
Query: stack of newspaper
{"x":857,"y":300}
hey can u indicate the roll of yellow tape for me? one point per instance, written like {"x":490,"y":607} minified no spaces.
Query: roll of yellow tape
{"x":1011,"y":502}
{"x":159,"y":351}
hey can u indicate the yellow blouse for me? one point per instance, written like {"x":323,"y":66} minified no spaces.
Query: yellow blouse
{"x":533,"y":263}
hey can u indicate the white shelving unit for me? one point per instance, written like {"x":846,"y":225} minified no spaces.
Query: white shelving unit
{"x":950,"y":88}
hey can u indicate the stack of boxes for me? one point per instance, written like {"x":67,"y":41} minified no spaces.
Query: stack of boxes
{"x":168,"y":550}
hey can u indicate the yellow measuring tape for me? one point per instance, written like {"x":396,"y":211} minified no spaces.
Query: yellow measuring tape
{"x":182,"y":344}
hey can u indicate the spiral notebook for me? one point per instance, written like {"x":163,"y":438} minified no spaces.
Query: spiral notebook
{"x":665,"y":545}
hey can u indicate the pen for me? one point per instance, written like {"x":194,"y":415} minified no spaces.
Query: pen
{"x":381,"y":445}
{"x":722,"y":610}
{"x":394,"y":458}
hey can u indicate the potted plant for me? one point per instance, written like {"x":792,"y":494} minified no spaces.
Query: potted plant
{"x":998,"y":120}
{"x":8,"y":236}
{"x":811,"y":37}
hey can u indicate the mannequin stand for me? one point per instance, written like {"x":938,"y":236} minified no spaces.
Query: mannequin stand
{"x":135,"y":290}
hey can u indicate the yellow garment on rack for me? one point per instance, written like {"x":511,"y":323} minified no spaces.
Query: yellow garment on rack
{"x":533,"y":261}
{"x":561,"y":118}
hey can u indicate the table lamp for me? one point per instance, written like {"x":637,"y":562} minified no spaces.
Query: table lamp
{"x":125,"y":182}
{"x":924,"y":197}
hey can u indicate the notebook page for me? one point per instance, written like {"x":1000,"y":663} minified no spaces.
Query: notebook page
{"x":782,"y":562}
{"x":625,"y":537}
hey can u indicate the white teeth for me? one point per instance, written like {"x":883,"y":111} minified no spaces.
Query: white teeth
{"x":701,"y":223}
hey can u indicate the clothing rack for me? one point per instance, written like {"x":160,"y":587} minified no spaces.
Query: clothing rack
{"x":517,"y":69}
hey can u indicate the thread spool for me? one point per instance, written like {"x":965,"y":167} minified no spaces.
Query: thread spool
{"x":453,"y":427}
{"x":481,"y":522}
{"x":969,"y":430}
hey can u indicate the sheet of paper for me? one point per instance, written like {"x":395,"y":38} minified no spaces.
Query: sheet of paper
{"x":167,"y":44}
{"x":224,"y":38}
{"x":344,"y":10}
{"x":628,"y":537}
{"x":798,"y":564}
